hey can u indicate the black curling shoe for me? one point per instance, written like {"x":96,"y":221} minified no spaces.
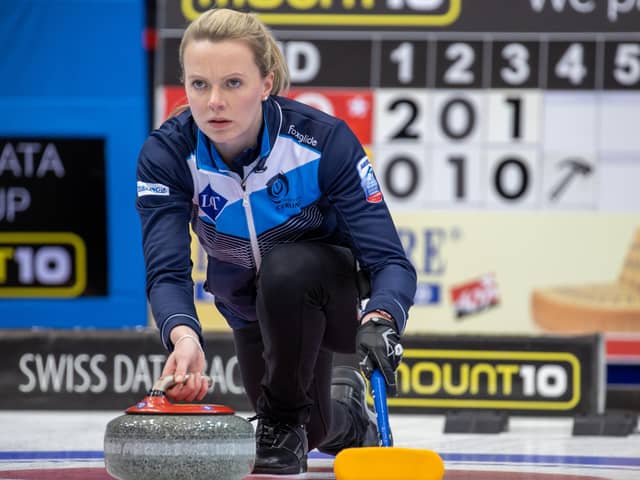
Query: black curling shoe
{"x":348,"y":387}
{"x":280,"y":448}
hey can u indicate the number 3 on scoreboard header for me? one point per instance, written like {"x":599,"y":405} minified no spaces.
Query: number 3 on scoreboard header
{"x":515,"y":65}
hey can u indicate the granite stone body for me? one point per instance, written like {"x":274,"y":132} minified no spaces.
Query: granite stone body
{"x":170,"y":446}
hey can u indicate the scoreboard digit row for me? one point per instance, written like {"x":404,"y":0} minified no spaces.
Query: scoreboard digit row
{"x":594,"y":63}
{"x":418,"y":177}
{"x":552,"y":65}
{"x":574,"y":121}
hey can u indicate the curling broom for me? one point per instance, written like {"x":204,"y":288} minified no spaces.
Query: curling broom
{"x":386,"y":462}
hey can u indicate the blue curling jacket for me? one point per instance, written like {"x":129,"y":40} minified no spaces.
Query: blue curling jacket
{"x":309,"y":180}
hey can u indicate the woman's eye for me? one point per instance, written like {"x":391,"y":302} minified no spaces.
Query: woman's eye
{"x":198,"y":84}
{"x":234,"y":83}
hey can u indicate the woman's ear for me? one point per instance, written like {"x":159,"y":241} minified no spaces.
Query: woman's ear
{"x":267,"y":85}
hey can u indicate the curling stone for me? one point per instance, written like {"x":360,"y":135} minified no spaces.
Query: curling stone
{"x":159,"y":440}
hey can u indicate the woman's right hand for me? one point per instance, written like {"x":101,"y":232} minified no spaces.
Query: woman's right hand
{"x":186,"y":358}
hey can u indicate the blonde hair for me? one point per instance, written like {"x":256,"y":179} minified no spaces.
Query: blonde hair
{"x":224,"y":24}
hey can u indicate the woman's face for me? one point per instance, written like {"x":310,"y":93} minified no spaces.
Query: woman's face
{"x":225,"y":91}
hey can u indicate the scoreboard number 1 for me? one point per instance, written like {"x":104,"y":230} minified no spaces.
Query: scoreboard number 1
{"x":403,"y":57}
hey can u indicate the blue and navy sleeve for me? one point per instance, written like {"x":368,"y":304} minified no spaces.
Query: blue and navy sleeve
{"x":164,"y":204}
{"x":348,"y":181}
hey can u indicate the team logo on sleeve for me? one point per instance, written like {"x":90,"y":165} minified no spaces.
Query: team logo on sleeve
{"x":368,"y":181}
{"x":145,"y":188}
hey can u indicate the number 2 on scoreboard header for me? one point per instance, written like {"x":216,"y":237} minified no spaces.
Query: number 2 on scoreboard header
{"x":459,"y":64}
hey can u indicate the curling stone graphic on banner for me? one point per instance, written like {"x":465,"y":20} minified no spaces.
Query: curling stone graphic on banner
{"x":156,"y":439}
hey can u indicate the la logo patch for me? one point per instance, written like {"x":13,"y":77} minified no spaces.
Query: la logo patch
{"x":211,"y":202}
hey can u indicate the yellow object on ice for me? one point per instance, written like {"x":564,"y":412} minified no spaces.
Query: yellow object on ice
{"x":388,"y":463}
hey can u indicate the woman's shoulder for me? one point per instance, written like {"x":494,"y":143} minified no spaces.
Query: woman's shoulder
{"x":173,"y":142}
{"x":176,"y":134}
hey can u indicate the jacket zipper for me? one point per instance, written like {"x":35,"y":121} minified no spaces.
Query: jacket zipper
{"x":253,"y":237}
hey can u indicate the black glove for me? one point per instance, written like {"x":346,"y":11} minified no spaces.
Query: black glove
{"x":378,"y":346}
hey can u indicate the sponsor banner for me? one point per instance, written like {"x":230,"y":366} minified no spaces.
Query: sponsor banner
{"x":50,"y":187}
{"x":522,"y":375}
{"x":498,"y":272}
{"x":114,"y":370}
{"x":60,"y":370}
{"x":463,"y":15}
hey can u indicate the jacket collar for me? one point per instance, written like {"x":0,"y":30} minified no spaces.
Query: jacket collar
{"x":208,"y":158}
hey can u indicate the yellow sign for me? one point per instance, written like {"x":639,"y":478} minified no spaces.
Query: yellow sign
{"x":42,"y":265}
{"x":362,"y":13}
{"x":511,"y":380}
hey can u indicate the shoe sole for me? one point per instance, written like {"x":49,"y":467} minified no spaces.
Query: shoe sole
{"x":282,"y":471}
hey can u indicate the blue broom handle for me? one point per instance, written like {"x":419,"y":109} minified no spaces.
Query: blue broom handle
{"x":379,"y":392}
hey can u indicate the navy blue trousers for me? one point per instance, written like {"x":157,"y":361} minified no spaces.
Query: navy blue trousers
{"x":307,"y":308}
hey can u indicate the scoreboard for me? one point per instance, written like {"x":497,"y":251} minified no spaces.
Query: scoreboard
{"x":464,"y":104}
{"x":503,"y":133}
